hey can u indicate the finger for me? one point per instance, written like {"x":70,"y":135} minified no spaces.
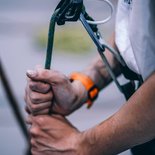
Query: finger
{"x":49,"y":76}
{"x":26,"y":94}
{"x":39,"y":135}
{"x":56,"y":118}
{"x":36,"y":97}
{"x":34,"y":131}
{"x":41,"y":108}
{"x":31,"y":107}
{"x":40,"y":87}
{"x":36,"y":151}
{"x":33,"y":143}
{"x":59,"y":118}
{"x":41,"y":112}
{"x":42,"y":120}
{"x":43,"y":142}
{"x":58,"y":109}
{"x":27,"y":110}
{"x":29,"y":120}
{"x":28,"y":102}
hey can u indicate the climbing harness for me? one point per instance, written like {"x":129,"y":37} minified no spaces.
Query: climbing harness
{"x":72,"y":11}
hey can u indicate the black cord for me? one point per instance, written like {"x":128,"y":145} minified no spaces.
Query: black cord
{"x":13,"y":103}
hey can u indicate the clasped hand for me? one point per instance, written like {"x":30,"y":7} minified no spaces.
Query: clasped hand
{"x":50,"y":91}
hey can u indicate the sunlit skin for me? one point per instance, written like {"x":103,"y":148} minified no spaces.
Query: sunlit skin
{"x":49,"y":90}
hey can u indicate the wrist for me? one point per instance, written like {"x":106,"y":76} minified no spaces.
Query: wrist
{"x":88,"y":143}
{"x":93,"y":73}
{"x":80,"y":91}
{"x":90,"y":88}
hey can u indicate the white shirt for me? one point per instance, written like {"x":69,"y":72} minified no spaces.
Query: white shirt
{"x":135,"y":34}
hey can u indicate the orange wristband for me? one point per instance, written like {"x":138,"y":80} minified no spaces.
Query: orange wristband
{"x":88,"y":84}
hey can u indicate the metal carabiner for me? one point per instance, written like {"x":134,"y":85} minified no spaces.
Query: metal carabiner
{"x":69,"y":10}
{"x":101,"y":48}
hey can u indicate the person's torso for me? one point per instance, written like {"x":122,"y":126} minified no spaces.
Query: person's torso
{"x":135,"y":35}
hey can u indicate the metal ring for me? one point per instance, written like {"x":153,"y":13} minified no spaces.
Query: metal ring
{"x":106,"y":19}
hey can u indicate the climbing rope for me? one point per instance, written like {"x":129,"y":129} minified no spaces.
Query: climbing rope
{"x":50,"y":40}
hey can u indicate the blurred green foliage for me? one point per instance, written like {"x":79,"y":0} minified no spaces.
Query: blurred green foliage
{"x":68,"y":38}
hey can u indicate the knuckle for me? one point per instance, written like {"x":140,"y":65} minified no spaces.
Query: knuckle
{"x":62,"y":79}
{"x":36,"y":151}
{"x":34,"y":131}
{"x":34,"y":97}
{"x":27,"y":109}
{"x":39,"y":86}
{"x":33,"y":107}
{"x":32,"y":85}
{"x":32,"y":141}
{"x":57,"y":75}
{"x":25,"y":95}
{"x":46,"y":111}
{"x":50,"y":95}
{"x":29,"y":82}
{"x":44,"y":72}
{"x":49,"y":104}
{"x":45,"y":87}
{"x":40,"y":121}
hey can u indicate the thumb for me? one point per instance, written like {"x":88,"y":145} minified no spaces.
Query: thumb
{"x":32,"y":74}
{"x":44,"y":75}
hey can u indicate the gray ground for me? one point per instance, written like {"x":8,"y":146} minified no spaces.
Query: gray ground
{"x":19,"y":22}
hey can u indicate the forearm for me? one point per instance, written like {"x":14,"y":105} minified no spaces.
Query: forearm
{"x":98,"y":73}
{"x":133,"y":124}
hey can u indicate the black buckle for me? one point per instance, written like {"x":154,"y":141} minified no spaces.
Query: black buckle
{"x":91,"y":89}
{"x":69,"y":10}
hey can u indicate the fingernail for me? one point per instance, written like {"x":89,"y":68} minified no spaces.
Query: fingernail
{"x":31,"y":73}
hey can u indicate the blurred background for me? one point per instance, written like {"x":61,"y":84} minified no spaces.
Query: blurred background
{"x":23,"y":36}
